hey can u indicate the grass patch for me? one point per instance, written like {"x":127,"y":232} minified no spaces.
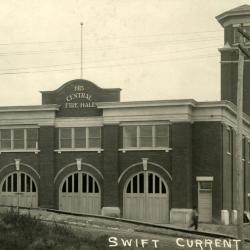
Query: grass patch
{"x":24,"y":232}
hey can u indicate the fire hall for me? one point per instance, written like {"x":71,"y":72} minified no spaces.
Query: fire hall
{"x":85,"y":151}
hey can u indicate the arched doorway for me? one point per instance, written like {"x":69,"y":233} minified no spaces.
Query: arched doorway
{"x":80,"y":192}
{"x":146,"y":197}
{"x":19,"y":189}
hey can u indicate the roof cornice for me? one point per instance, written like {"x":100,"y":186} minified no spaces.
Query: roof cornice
{"x":36,"y":108}
{"x":155,"y":103}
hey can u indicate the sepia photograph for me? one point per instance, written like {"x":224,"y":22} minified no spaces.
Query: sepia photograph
{"x":124,"y":124}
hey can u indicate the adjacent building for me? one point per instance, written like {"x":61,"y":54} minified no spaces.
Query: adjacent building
{"x":85,"y":151}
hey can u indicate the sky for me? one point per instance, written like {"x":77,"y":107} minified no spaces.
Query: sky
{"x":152,"y":50}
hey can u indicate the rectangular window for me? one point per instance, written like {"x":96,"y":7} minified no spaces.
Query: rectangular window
{"x":5,"y":139}
{"x":18,"y":138}
{"x":32,"y":138}
{"x":146,"y":136}
{"x":80,"y":138}
{"x":66,"y":137}
{"x":161,"y":136}
{"x":206,"y":185}
{"x":237,"y":34}
{"x":94,"y":137}
{"x":130,"y":136}
{"x":247,"y":30}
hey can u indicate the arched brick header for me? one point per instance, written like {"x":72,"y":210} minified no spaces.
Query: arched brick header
{"x":10,"y":168}
{"x":72,"y":167}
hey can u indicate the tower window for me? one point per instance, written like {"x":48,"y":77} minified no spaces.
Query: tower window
{"x":237,"y":34}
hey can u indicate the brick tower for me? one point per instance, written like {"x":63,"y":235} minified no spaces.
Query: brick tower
{"x":230,"y":20}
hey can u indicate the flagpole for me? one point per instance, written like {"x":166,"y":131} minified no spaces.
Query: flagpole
{"x":81,"y":50}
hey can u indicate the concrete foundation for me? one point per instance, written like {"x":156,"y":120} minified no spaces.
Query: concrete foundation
{"x":111,"y":211}
{"x":180,"y":216}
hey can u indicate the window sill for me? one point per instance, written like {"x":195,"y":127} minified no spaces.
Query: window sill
{"x":36,"y":151}
{"x":98,"y":150}
{"x":145,"y":149}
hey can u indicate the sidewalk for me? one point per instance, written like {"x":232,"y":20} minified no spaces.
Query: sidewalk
{"x":123,"y":225}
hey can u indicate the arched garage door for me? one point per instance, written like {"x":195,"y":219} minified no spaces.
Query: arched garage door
{"x":18,"y":189}
{"x":80,"y":192}
{"x":146,"y":197}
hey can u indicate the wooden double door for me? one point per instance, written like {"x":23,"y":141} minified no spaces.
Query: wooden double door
{"x":80,"y":192}
{"x":146,"y":197}
{"x":19,"y":189}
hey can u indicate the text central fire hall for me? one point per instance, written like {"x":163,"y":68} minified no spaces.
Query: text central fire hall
{"x":84,"y":151}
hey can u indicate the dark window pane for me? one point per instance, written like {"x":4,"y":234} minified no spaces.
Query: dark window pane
{"x":66,"y":143}
{"x":80,"y":137}
{"x":6,"y":139}
{"x":94,"y":142}
{"x":146,"y":139}
{"x":206,"y":185}
{"x":94,"y":137}
{"x":18,"y":134}
{"x":247,"y":30}
{"x":150,"y":183}
{"x":146,"y":130}
{"x":76,"y":183}
{"x":4,"y":186}
{"x":9,"y":184}
{"x":236,"y":35}
{"x":18,"y":138}
{"x":135,"y":184}
{"x":33,"y":187}
{"x":157,"y":184}
{"x":14,"y":182}
{"x":22,"y":182}
{"x":70,"y":184}
{"x":163,"y":188}
{"x":6,"y":144}
{"x":161,"y":142}
{"x":64,"y":187}
{"x":94,"y":132}
{"x":90,"y":184}
{"x":84,"y":183}
{"x":161,"y":136}
{"x":141,"y":183}
{"x":28,"y":184}
{"x":32,"y":137}
{"x":18,"y":144}
{"x":65,"y":133}
{"x":130,"y":136}
{"x":96,"y":188}
{"x":145,"y":142}
{"x":129,"y":188}
{"x":6,"y":134}
{"x":66,"y":138}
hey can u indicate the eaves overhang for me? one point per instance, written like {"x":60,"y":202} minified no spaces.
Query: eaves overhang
{"x":34,"y":108}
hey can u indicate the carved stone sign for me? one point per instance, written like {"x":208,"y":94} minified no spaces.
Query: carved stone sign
{"x":79,"y":98}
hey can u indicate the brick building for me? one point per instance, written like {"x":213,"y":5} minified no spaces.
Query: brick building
{"x":83,"y":150}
